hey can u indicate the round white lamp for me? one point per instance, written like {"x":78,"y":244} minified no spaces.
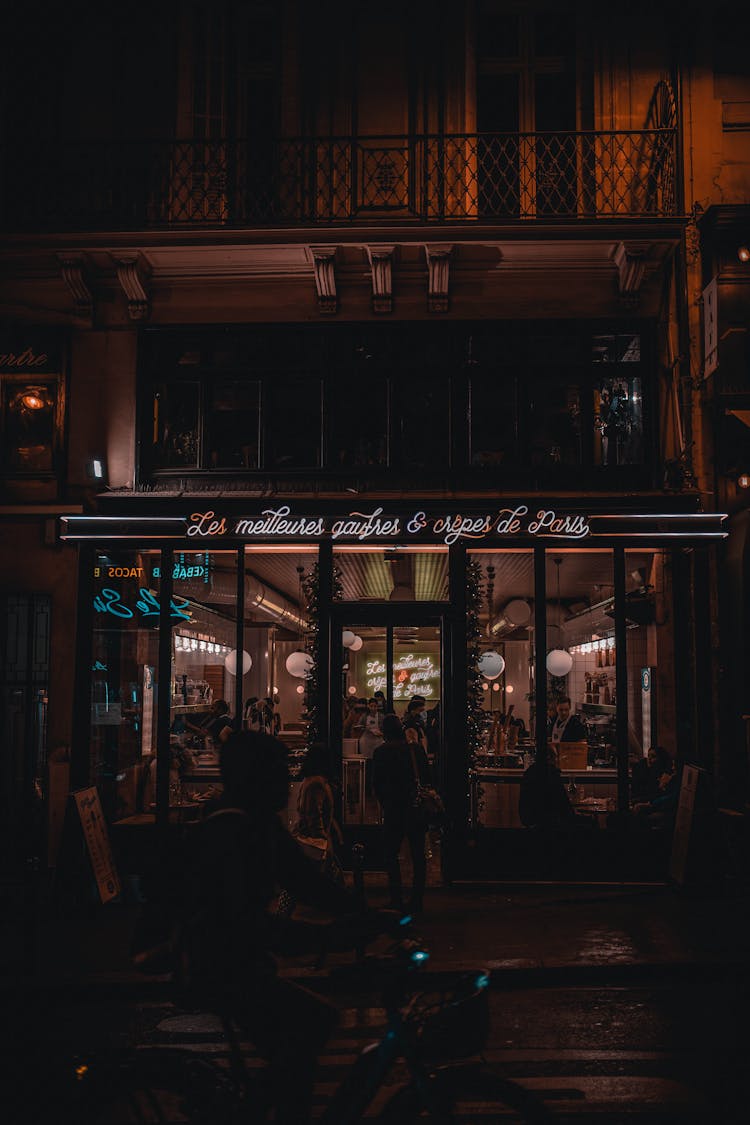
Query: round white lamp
{"x":299,"y":664}
{"x":230,"y":662}
{"x":491,"y":665}
{"x":356,"y":644}
{"x":300,"y":689}
{"x":559,"y":662}
{"x":348,"y":638}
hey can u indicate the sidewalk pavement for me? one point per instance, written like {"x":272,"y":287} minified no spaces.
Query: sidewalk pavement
{"x":532,"y":933}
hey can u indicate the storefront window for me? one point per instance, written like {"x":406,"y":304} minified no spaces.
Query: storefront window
{"x":506,"y":684}
{"x":393,"y":574}
{"x":386,"y":669}
{"x":651,"y":657}
{"x":581,"y":639}
{"x":276,"y":636}
{"x":124,"y":676}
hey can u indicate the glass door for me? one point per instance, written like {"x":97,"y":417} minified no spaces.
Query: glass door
{"x":388,"y":668}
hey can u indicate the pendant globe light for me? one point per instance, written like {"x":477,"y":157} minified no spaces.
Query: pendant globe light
{"x":230,"y":662}
{"x":299,"y":663}
{"x":490,"y":664}
{"x":559,"y":660}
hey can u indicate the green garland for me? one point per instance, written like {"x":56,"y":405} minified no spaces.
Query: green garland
{"x":312,"y":701}
{"x":475,"y":711}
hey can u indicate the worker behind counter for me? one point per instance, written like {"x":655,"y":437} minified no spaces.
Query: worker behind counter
{"x":566,"y":727}
{"x":219,"y":724}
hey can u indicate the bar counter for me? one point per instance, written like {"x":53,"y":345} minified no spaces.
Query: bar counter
{"x":496,"y":805}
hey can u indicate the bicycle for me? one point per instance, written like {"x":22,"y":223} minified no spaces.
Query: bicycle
{"x":439,"y":1034}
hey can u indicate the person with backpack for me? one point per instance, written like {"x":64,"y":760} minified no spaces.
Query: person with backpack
{"x":239,"y":856}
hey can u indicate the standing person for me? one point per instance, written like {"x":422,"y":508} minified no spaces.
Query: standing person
{"x":252,"y":718}
{"x":218,"y":725}
{"x":395,"y":786}
{"x":380,"y":700}
{"x":372,"y":731}
{"x":415,"y":718}
{"x":354,"y":723}
{"x":566,"y":726}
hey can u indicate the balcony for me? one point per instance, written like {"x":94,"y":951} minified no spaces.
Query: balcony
{"x":501,"y":179}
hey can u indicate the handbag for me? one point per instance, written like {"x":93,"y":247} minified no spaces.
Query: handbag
{"x":427,"y":800}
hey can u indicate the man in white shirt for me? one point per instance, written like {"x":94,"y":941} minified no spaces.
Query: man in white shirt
{"x":566,"y":727}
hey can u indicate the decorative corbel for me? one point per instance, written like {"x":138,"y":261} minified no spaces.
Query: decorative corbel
{"x":631,"y":267}
{"x":381,"y":266}
{"x":438,"y":267}
{"x":132,"y":284}
{"x":324,"y":258}
{"x":71,"y":268}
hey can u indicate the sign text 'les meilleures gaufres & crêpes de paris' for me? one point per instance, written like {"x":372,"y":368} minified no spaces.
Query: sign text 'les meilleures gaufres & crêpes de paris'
{"x":371,"y":526}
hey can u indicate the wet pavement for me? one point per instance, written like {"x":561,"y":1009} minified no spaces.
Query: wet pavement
{"x":612,"y":1002}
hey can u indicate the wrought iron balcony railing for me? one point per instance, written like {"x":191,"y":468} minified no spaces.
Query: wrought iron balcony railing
{"x":492,"y":178}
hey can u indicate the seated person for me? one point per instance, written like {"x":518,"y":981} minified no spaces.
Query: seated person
{"x":660,"y":810}
{"x":645,"y":774}
{"x":566,"y":726}
{"x":543,"y":801}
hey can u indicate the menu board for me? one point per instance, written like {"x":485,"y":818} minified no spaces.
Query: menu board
{"x":95,"y":834}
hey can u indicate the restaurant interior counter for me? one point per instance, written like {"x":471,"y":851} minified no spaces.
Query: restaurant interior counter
{"x":495,"y":792}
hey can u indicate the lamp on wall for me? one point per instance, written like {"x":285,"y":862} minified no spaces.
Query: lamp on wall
{"x":96,"y":469}
{"x":559,"y":660}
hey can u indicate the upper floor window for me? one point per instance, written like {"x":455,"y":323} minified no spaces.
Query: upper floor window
{"x":491,"y":400}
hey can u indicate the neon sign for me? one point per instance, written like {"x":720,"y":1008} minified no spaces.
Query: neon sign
{"x":109,"y":601}
{"x":413,"y":674}
{"x":184,"y":570}
{"x":362,"y":527}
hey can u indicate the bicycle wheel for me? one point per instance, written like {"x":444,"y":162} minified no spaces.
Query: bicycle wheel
{"x":471,"y":1094}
